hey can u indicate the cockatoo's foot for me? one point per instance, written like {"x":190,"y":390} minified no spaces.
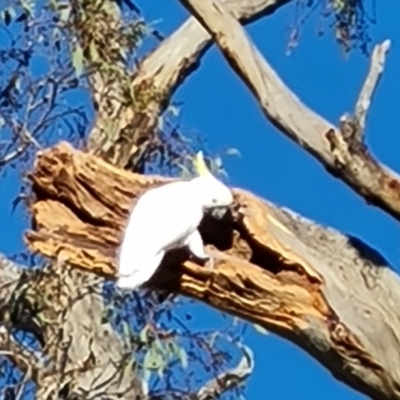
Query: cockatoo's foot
{"x":207,"y":260}
{"x":209,"y":263}
{"x":196,"y":246}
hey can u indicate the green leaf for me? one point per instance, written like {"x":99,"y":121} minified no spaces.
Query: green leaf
{"x":160,"y":123}
{"x":143,"y":334}
{"x":126,"y":330}
{"x":213,"y":338}
{"x":17,"y":83}
{"x":260,"y":329}
{"x":129,"y":365}
{"x":153,"y":360}
{"x":173,"y":110}
{"x":185,"y":173}
{"x":122,"y":53}
{"x":53,"y":5}
{"x":174,"y":348}
{"x":183,"y":357}
{"x":158,"y":345}
{"x":7,"y":15}
{"x":77,"y":60}
{"x":65,"y":13}
{"x":179,"y":352}
{"x":27,"y":6}
{"x":218,"y":162}
{"x":232,"y":152}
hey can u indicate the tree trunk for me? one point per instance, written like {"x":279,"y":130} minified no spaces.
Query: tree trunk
{"x":95,"y":345}
{"x":329,"y":293}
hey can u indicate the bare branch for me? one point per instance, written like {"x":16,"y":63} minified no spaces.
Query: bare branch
{"x":29,"y":103}
{"x":26,"y":360}
{"x":24,"y":137}
{"x":370,"y":84}
{"x":342,"y":156}
{"x":228,"y":379}
{"x":13,"y":155}
{"x":327,"y":292}
{"x":158,"y":77}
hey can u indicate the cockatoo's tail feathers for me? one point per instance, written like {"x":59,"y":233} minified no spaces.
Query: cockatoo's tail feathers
{"x":200,"y":165}
{"x":134,"y":272}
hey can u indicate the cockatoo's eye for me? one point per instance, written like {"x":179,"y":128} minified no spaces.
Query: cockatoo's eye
{"x":214,"y":201}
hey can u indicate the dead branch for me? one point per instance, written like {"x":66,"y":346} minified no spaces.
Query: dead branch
{"x":327,"y":292}
{"x":158,"y":77}
{"x":341,"y":155}
{"x":228,"y":379}
{"x":370,"y":85}
{"x":26,"y":360}
{"x":13,"y":155}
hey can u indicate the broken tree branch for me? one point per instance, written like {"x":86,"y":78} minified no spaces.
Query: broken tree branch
{"x":327,"y":292}
{"x":348,"y":160}
{"x":370,"y":85}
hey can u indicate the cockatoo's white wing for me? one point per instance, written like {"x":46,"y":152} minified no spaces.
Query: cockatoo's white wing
{"x":161,"y":219}
{"x":148,"y":266}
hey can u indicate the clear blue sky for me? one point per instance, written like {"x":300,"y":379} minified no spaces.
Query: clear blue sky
{"x":217,"y":104}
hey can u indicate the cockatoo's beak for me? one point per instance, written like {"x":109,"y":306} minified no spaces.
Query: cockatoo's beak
{"x":240,"y":210}
{"x":237,"y":210}
{"x":219,"y":212}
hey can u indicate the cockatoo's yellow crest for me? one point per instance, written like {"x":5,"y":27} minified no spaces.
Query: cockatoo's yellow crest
{"x":200,"y":165}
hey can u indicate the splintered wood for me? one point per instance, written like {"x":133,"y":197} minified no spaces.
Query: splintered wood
{"x":272,"y":267}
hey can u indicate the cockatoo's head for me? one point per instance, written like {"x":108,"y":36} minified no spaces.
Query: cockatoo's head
{"x":212,"y":192}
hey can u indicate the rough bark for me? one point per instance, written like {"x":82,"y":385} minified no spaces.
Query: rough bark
{"x":94,"y":344}
{"x":327,"y":292}
{"x":340,"y":151}
{"x":49,"y":303}
{"x":320,"y":289}
{"x":155,"y":82}
{"x":26,"y":360}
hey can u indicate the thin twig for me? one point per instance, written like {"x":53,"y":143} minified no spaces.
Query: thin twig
{"x":229,"y":379}
{"x":7,"y":158}
{"x":25,"y":359}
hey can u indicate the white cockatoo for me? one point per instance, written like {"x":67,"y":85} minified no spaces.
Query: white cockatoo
{"x":165,"y":218}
